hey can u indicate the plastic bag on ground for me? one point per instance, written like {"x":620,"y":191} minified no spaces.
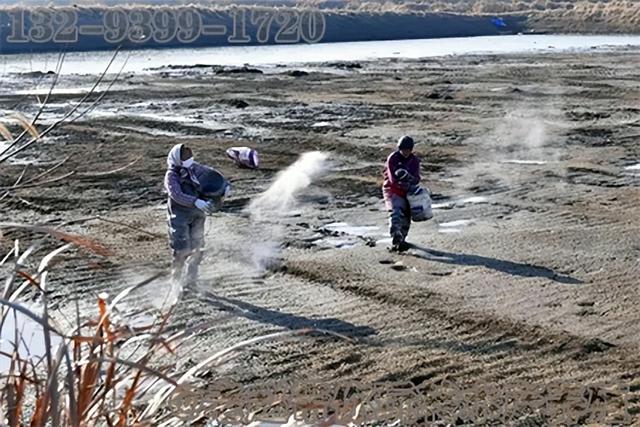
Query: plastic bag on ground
{"x":244,"y":157}
{"x":420,"y":203}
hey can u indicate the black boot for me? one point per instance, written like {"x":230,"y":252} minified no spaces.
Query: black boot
{"x":403,"y":246}
{"x":396,"y":242}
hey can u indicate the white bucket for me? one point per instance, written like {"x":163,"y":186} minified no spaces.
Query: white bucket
{"x":420,"y":204}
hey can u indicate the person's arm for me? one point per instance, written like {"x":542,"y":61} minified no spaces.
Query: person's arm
{"x":391,"y":168}
{"x":172,"y":187}
{"x":414,"y":170}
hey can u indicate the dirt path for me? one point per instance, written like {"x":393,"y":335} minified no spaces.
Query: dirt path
{"x":527,"y":275}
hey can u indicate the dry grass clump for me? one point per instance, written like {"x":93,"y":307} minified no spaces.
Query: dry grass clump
{"x":103,"y":370}
{"x":564,"y":16}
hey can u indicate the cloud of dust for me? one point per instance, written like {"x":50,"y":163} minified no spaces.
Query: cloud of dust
{"x":160,"y":294}
{"x":279,"y":198}
{"x":268,"y":213}
{"x":527,"y":134}
{"x":523,"y":132}
{"x":164,"y":293}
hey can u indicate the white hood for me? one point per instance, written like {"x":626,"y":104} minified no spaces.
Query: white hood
{"x":173,"y":159}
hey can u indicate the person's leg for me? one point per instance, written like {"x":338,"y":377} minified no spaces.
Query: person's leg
{"x":397,"y":208}
{"x":177,"y":265}
{"x":179,"y":242}
{"x":406,"y":218}
{"x":196,"y":235}
{"x":405,"y":225}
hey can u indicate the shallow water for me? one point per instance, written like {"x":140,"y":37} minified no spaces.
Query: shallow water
{"x":140,"y":60}
{"x":32,"y":346}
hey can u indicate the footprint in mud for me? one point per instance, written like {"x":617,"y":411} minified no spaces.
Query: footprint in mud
{"x":398,"y":266}
{"x":395,"y":265}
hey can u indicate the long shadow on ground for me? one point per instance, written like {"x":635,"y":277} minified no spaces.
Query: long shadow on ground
{"x":509,"y":267}
{"x":287,"y":320}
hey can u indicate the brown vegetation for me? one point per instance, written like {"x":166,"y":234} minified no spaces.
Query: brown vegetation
{"x":591,"y":16}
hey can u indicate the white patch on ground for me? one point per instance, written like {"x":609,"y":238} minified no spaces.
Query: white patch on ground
{"x":360,"y":231}
{"x":458,"y":223}
{"x":321,"y":125}
{"x":445,"y":205}
{"x":460,"y":202}
{"x":633,"y":167}
{"x":386,"y":241}
{"x":336,"y":243}
{"x":57,"y":91}
{"x":154,"y":131}
{"x":449,"y":230}
{"x":525,"y":162}
{"x":350,"y":235}
{"x":452,"y":226}
{"x":473,"y":200}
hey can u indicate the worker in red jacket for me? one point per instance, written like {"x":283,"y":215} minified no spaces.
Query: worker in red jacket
{"x":402,"y":173}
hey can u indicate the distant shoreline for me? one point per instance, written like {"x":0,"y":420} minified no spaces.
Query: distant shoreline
{"x":347,"y":56}
{"x":103,"y":28}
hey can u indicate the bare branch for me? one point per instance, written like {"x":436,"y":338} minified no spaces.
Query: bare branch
{"x":37,"y":184}
{"x":42,"y":105}
{"x":77,"y":240}
{"x":99,"y":98}
{"x":128,"y":226}
{"x":21,"y":175}
{"x":120,"y":169}
{"x":66,"y":116}
{"x":48,"y":171}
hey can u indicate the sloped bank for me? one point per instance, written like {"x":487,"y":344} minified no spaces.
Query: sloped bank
{"x":18,"y":34}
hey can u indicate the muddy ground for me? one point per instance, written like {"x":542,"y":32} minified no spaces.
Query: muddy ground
{"x":528,"y":273}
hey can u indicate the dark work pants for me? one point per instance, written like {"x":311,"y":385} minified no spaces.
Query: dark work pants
{"x":399,"y":214}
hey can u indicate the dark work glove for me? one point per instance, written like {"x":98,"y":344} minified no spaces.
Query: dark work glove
{"x":403,"y":175}
{"x":413,"y":189}
{"x":404,"y":179}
